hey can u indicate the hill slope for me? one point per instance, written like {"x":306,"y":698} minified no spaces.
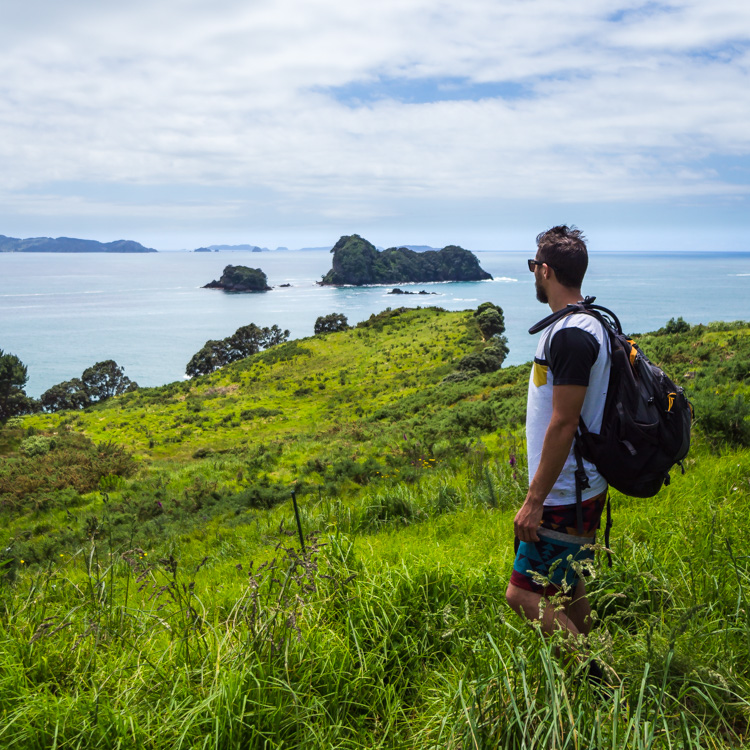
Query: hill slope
{"x":172,"y":606}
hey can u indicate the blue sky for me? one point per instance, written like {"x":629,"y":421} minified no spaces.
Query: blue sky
{"x":291,"y":122}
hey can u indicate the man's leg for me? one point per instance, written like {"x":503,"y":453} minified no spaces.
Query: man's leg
{"x":579,"y":609}
{"x":526,"y":603}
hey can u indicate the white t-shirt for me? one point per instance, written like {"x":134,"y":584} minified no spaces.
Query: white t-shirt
{"x":571,"y":352}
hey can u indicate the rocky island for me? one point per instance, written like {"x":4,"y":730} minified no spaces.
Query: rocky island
{"x":357,"y":262}
{"x":68,"y":245}
{"x":240,"y":279}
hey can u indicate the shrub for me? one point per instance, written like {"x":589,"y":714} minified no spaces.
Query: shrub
{"x":677,"y":325}
{"x":490,"y":320}
{"x":76,"y":463}
{"x":722,"y":418}
{"x":331,"y":323}
{"x":37,"y":445}
{"x":489,"y":359}
{"x":244,"y":342}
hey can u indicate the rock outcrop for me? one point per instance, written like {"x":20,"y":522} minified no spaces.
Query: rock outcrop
{"x":240,"y":279}
{"x":357,"y":262}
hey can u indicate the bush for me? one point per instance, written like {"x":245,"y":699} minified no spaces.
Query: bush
{"x":331,"y":323}
{"x":97,"y":383}
{"x":489,"y":359}
{"x":490,"y":320}
{"x":49,"y":466}
{"x":722,"y":418}
{"x":244,"y":342}
{"x":37,"y":445}
{"x":677,"y":325}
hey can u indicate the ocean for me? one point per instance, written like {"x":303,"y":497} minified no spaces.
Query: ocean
{"x":61,"y":313}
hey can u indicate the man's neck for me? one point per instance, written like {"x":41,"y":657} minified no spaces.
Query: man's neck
{"x":561,"y":296}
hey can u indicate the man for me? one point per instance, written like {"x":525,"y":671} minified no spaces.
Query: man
{"x":569,"y":379}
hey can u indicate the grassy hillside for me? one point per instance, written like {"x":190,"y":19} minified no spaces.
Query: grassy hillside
{"x":155,"y":593}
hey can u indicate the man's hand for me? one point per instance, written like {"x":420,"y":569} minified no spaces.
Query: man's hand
{"x":527,"y":521}
{"x":567,"y":401}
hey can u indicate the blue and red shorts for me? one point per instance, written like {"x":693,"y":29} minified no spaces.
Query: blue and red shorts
{"x":560,"y":544}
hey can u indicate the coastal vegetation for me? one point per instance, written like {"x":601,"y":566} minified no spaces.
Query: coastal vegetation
{"x":244,"y":342}
{"x":330,"y":323}
{"x":13,"y":378}
{"x":156,"y":594}
{"x":358,"y":262}
{"x":96,"y":384}
{"x":240,"y":279}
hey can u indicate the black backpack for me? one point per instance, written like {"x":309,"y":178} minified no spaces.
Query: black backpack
{"x":647,"y":418}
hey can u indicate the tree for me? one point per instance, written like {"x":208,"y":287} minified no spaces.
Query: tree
{"x":104,"y":380}
{"x":70,"y":394}
{"x":273,"y":336}
{"x":13,"y":378}
{"x":245,"y":341}
{"x":97,"y":383}
{"x":211,"y":356}
{"x":490,"y":320}
{"x":331,"y":323}
{"x":676,"y":325}
{"x":489,"y":359}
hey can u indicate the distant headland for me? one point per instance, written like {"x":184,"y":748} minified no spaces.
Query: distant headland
{"x":68,"y":245}
{"x":234,"y":248}
{"x":357,"y":262}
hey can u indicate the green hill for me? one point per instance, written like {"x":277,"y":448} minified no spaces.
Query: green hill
{"x":155,"y":593}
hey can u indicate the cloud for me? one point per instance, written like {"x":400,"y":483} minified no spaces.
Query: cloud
{"x":356,"y":109}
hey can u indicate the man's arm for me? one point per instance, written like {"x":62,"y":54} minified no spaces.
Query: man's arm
{"x":567,"y":401}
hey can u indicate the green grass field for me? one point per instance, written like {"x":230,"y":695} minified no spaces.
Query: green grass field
{"x":155,"y":593}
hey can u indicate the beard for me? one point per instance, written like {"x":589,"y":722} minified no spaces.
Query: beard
{"x":541,"y":295}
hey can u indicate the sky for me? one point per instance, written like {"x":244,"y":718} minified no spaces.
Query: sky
{"x":180,"y":123}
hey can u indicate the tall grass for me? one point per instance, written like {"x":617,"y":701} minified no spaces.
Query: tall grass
{"x":176,"y":609}
{"x":121,"y":647}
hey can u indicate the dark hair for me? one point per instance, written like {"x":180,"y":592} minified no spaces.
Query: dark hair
{"x":563,"y":248}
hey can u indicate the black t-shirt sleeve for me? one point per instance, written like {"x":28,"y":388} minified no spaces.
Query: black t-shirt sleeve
{"x":572,"y":355}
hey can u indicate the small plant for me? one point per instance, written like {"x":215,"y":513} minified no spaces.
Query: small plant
{"x":37,"y":445}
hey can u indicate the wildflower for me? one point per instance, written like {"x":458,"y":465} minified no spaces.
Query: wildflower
{"x":512,"y":459}
{"x":22,"y":562}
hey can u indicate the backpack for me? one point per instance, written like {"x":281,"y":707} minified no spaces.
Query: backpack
{"x":647,"y":418}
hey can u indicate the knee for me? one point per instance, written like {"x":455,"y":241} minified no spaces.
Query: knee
{"x":512,"y":596}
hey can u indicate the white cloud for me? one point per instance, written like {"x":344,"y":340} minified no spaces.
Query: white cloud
{"x":623,"y":107}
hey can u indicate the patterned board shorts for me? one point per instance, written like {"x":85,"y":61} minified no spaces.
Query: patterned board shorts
{"x":559,"y":545}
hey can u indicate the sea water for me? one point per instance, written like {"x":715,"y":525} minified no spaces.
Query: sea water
{"x":61,"y":313}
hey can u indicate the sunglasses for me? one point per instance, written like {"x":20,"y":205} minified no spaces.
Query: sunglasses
{"x":533,"y":263}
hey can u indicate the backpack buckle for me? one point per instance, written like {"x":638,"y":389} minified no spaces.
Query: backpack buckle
{"x":581,"y":479}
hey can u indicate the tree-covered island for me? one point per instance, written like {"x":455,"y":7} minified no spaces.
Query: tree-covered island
{"x":68,"y":245}
{"x":358,"y":262}
{"x":241,"y":279}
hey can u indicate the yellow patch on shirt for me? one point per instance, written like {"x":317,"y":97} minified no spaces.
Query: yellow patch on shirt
{"x":539,"y":373}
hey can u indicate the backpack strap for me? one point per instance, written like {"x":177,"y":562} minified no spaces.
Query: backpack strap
{"x":607,"y":528}
{"x":582,"y":483}
{"x":586,"y":305}
{"x":612,"y":325}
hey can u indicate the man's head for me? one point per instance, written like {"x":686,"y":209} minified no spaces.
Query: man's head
{"x":563,"y":250}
